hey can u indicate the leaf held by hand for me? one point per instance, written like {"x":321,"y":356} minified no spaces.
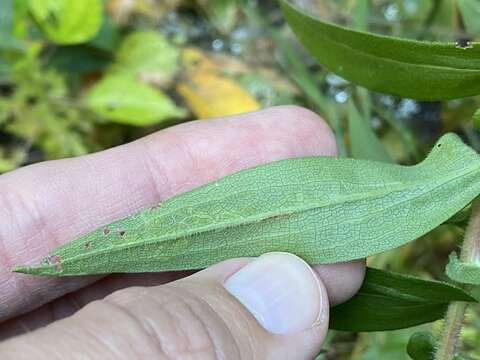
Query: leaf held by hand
{"x":323,"y":209}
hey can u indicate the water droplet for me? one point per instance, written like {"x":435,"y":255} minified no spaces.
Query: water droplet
{"x":335,"y":80}
{"x":387,"y":100}
{"x":236,"y":48}
{"x":341,"y":97}
{"x":391,"y":12}
{"x":407,"y":108}
{"x":217,"y":44}
{"x":376,"y":122}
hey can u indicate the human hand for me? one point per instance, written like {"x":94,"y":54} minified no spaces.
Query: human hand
{"x":272,"y":307}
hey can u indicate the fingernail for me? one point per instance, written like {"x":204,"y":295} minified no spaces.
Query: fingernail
{"x":281,"y":291}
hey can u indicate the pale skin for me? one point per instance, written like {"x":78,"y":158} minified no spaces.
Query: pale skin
{"x":139,"y":316}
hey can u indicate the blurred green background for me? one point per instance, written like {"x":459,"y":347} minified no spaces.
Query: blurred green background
{"x":82,"y":76}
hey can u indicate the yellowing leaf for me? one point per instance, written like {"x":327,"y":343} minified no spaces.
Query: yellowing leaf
{"x":68,"y":21}
{"x":207,"y":92}
{"x":149,"y":56}
{"x":194,"y":60}
{"x":123,"y":99}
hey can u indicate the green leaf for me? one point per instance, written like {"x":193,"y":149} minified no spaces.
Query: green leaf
{"x":125,"y":100}
{"x":421,"y":346}
{"x":465,"y":273}
{"x":223,"y":15}
{"x":149,"y":56}
{"x":470,"y":11}
{"x":323,"y":209}
{"x":68,"y":21}
{"x":364,"y":142}
{"x":461,"y":218}
{"x":360,"y":14}
{"x":389,"y":301}
{"x":414,"y":11}
{"x":406,"y":68}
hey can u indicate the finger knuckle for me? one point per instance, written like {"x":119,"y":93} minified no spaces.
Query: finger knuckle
{"x":174,"y":324}
{"x":309,"y":126}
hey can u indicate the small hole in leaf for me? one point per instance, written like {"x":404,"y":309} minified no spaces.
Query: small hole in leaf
{"x":439,"y":145}
{"x":106,"y":231}
{"x":464,"y":43}
{"x":56,"y":261}
{"x":121,"y":233}
{"x":88,"y":244}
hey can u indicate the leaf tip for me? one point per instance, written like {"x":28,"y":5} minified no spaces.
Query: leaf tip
{"x":35,"y":270}
{"x":23,"y":269}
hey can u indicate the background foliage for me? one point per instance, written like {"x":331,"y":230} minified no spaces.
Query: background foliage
{"x":81,"y":76}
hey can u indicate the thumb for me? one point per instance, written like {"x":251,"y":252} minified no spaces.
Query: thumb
{"x":271,"y":307}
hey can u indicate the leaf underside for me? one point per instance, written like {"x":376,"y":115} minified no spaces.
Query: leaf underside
{"x":323,"y":209}
{"x":407,"y":68}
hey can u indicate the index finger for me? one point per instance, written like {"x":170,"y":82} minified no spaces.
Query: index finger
{"x":45,"y":205}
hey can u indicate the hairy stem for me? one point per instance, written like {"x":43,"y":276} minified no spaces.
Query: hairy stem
{"x":447,"y":344}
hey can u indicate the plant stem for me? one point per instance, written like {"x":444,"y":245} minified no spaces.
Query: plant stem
{"x":447,"y":344}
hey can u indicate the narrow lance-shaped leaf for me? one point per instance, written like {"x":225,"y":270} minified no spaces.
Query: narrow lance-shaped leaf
{"x":364,"y":142}
{"x":407,"y":68}
{"x":322,"y":209}
{"x":462,"y":272}
{"x":470,"y":11}
{"x":389,"y":301}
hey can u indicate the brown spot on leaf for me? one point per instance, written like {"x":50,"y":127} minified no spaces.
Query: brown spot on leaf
{"x":55,"y":260}
{"x":88,"y":244}
{"x":106,"y":231}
